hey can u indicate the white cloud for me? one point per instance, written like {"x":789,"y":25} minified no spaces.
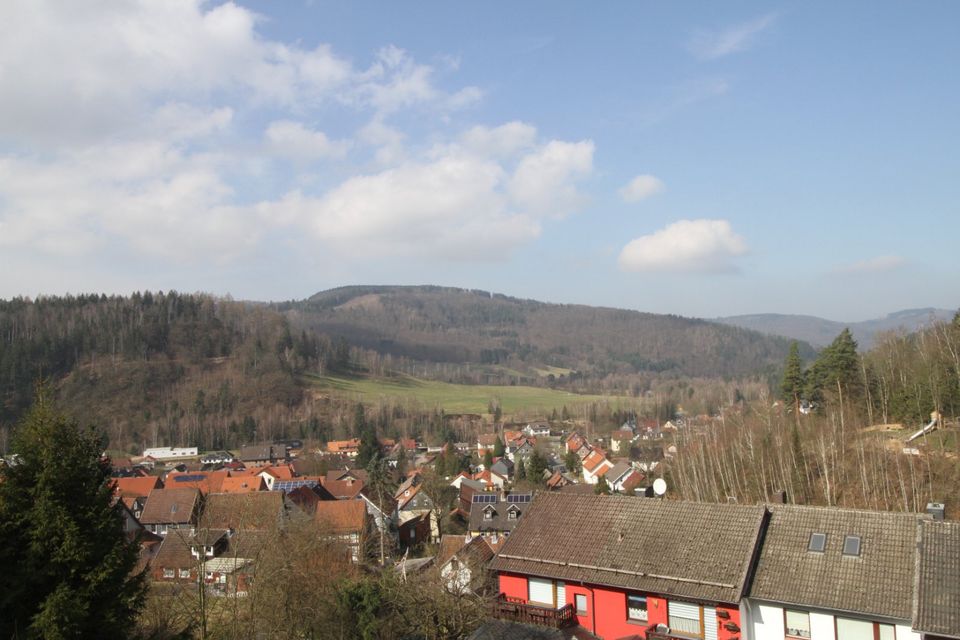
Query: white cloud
{"x":717,"y":44}
{"x":502,"y":142}
{"x":686,"y":246}
{"x":880,"y":264}
{"x":544,"y":180}
{"x":457,"y":203}
{"x":290,"y":139}
{"x":641,"y":188}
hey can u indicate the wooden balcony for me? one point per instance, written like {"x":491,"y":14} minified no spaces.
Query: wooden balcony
{"x":516,"y":610}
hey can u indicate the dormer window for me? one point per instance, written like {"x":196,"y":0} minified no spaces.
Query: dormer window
{"x":511,"y":515}
{"x":851,"y":546}
{"x":488,"y":513}
{"x":818,"y":542}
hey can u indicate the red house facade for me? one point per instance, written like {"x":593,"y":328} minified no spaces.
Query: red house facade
{"x":647,"y":569}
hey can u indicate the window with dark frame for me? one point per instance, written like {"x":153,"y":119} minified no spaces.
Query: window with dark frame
{"x":636,"y":608}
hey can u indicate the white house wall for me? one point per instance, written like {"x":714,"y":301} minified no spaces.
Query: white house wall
{"x":766,"y":622}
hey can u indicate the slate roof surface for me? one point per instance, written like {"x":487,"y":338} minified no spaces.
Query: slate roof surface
{"x":170,"y":506}
{"x":937,"y":607}
{"x":879,"y":581}
{"x":449,"y":546}
{"x":690,"y":550}
{"x":617,"y":470}
{"x":500,"y":520}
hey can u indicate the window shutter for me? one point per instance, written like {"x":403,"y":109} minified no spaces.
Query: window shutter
{"x":685,"y":618}
{"x":562,"y":596}
{"x":541,"y":591}
{"x":848,"y":629}
{"x":709,"y":623}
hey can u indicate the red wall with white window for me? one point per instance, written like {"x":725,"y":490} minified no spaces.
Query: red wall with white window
{"x":607,"y":608}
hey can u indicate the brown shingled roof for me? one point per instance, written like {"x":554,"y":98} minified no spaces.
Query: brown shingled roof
{"x":170,"y":506}
{"x":878,"y":582}
{"x":937,"y":606}
{"x":261,"y":510}
{"x":686,"y":549}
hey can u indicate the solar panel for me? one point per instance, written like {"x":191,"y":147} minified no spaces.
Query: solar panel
{"x":519,"y":498}
{"x":484,"y":498}
{"x":290,"y":485}
{"x":190,"y":478}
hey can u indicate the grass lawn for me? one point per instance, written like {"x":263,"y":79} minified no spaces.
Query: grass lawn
{"x":457,"y":398}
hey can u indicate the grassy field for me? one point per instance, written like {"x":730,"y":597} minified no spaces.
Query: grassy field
{"x":457,"y":398}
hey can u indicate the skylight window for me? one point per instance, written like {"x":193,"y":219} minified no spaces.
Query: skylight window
{"x":818,"y":542}
{"x":851,"y":546}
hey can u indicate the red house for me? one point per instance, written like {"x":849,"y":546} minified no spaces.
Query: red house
{"x":624,"y":567}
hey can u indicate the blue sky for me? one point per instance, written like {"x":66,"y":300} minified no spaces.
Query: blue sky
{"x":699,"y":159}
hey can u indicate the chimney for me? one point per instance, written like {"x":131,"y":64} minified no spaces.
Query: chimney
{"x":937,"y":510}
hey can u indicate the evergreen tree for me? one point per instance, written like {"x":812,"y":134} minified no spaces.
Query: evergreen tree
{"x":521,"y":471}
{"x":572,"y":462}
{"x":792,"y":385}
{"x":369,"y":445}
{"x":602,"y":488}
{"x":538,"y":464}
{"x":487,"y":459}
{"x":67,"y":562}
{"x":402,"y":460}
{"x":499,"y":448}
{"x":837,"y":366}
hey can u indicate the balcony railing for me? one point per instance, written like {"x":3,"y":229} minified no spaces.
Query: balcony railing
{"x":516,"y":610}
{"x":663,"y":632}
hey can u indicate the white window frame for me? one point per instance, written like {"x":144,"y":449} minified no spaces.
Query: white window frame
{"x":577,"y":599}
{"x":169,"y":573}
{"x":673,"y":611}
{"x":184,"y":573}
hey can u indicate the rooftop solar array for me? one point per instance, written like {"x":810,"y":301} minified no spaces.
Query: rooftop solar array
{"x":290,"y":485}
{"x":519,"y":498}
{"x":190,"y":478}
{"x":485,"y":498}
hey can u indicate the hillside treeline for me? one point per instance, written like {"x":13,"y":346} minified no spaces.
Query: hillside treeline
{"x":844,"y":452}
{"x":457,"y":326}
{"x":159,"y":368}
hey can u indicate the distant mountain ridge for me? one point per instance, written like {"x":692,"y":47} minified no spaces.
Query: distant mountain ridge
{"x":819,"y":332}
{"x":450,"y":325}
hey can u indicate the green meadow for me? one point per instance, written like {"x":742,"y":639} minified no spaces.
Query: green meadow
{"x":457,"y":398}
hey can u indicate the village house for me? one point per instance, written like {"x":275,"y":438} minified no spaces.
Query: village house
{"x":214,"y":458}
{"x":263,"y":455}
{"x":349,"y":448}
{"x":494,"y":515}
{"x":171,"y":509}
{"x":834,"y":574}
{"x":346,"y":521}
{"x":594,"y":466}
{"x":537,"y":429}
{"x":133,"y":491}
{"x":623,"y":478}
{"x":631,"y":567}
{"x":164,"y":454}
{"x":462,"y":563}
{"x":936,"y":610}
{"x":620,"y":441}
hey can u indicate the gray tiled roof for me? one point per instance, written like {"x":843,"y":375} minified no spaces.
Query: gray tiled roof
{"x":171,"y":506}
{"x":937,"y":607}
{"x":879,"y":581}
{"x":685,"y":549}
{"x":500,"y":520}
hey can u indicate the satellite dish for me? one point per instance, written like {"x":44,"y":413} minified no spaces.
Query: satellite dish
{"x":659,"y":486}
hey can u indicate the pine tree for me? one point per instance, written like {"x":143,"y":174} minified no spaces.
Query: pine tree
{"x":67,"y":562}
{"x":793,"y":378}
{"x":499,"y":448}
{"x":487,"y":459}
{"x":369,"y":445}
{"x":521,"y":472}
{"x":602,"y":488}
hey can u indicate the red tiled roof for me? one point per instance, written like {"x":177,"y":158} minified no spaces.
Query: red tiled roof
{"x":593,"y":461}
{"x":280,"y":471}
{"x":337,"y":446}
{"x":136,"y":487}
{"x":205,"y":481}
{"x":342,"y":516}
{"x":243,"y":484}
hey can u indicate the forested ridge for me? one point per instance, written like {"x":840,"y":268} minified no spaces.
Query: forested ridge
{"x":471,"y":326}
